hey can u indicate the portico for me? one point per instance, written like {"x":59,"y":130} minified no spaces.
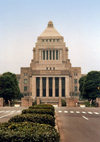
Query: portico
{"x":50,"y":86}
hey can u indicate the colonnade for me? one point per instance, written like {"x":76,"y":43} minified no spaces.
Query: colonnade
{"x":50,"y":86}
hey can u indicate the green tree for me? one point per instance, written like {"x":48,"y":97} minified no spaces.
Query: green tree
{"x":9,"y":88}
{"x":81,"y":86}
{"x":89,"y":85}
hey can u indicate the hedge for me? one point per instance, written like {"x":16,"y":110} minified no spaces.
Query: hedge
{"x":42,"y":106}
{"x":36,"y":118}
{"x":28,"y":132}
{"x":39,"y":111}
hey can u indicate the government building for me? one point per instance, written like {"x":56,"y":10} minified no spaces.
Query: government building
{"x":50,"y":75}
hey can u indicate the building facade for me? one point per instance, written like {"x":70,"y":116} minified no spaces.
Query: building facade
{"x":50,"y":75}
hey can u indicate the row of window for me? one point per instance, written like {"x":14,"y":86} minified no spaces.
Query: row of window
{"x":50,"y":55}
{"x":50,"y":40}
{"x":75,"y":88}
{"x":50,"y":68}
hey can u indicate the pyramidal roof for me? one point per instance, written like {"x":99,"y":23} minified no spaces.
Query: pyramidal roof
{"x":50,"y":31}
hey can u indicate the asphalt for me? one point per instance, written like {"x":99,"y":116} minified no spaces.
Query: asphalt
{"x":7,"y":112}
{"x":78,"y":124}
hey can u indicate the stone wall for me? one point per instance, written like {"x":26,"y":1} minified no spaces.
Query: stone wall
{"x":71,"y":102}
{"x":26,"y":101}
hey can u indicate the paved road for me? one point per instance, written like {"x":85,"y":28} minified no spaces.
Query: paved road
{"x":7,"y":112}
{"x":79,"y":124}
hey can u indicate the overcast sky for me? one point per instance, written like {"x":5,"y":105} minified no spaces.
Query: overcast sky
{"x":22,"y":21}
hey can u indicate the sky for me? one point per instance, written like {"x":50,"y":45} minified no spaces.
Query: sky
{"x":22,"y":21}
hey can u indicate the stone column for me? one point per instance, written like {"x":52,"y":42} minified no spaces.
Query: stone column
{"x":53,"y":86}
{"x":67,"y":87}
{"x":33,"y":86}
{"x":40,"y":86}
{"x":55,"y":54}
{"x":60,"y":87}
{"x":41,"y":54}
{"x":47,"y":87}
{"x":48,"y":54}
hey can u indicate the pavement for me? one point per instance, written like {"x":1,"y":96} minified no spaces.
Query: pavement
{"x":7,"y":112}
{"x":78,"y":124}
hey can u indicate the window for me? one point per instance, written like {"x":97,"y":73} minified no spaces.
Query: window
{"x":56,"y":54}
{"x":53,"y":40}
{"x":46,"y":40}
{"x":75,"y":89}
{"x":25,"y":74}
{"x":37,"y":86}
{"x":56,"y":86}
{"x":25,"y":88}
{"x":57,"y":40}
{"x":44,"y":55}
{"x":25,"y":81}
{"x":53,"y":54}
{"x":42,"y":40}
{"x":47,"y":54}
{"x":46,"y":68}
{"x":50,"y":54}
{"x":53,"y":68}
{"x":75,"y":74}
{"x":75,"y":81}
{"x":50,"y":40}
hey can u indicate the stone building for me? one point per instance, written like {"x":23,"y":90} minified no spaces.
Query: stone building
{"x":50,"y":75}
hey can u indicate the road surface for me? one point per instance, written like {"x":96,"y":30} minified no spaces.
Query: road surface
{"x":78,"y":124}
{"x":7,"y":112}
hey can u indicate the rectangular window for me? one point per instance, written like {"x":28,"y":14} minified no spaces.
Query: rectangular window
{"x":56,"y":86}
{"x":75,"y":89}
{"x":50,"y":54}
{"x":38,"y":86}
{"x":50,"y":87}
{"x":25,"y":88}
{"x":47,"y":54}
{"x":44,"y":86}
{"x":25,"y":74}
{"x":53,"y":54}
{"x":56,"y":54}
{"x":63,"y":86}
{"x":43,"y":54}
{"x":75,"y":81}
{"x":25,"y":81}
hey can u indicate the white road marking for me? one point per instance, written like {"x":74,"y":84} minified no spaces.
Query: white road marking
{"x":84,"y":112}
{"x":65,"y":111}
{"x":18,"y":111}
{"x":6,"y":115}
{"x":2,"y":111}
{"x":90,"y":112}
{"x":85,"y":117}
{"x":7,"y":111}
{"x":59,"y":111}
{"x":96,"y":113}
{"x":71,"y":111}
{"x":13,"y":111}
{"x":77,"y":112}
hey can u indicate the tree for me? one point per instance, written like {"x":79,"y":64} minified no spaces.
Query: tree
{"x":9,"y":88}
{"x":89,"y":85}
{"x":81,"y":86}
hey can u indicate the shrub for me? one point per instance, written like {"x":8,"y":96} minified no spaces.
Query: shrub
{"x":36,"y":118}
{"x":42,"y":106}
{"x":28,"y":132}
{"x":39,"y":111}
{"x":63,"y":102}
